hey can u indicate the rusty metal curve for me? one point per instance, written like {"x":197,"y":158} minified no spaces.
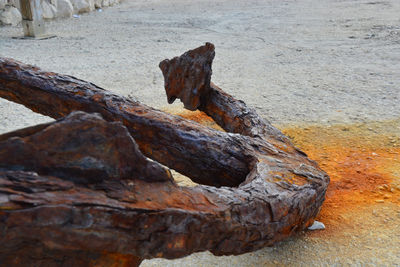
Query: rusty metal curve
{"x":255,"y":188}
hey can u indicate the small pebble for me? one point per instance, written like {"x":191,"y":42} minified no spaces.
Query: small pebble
{"x":379,"y":201}
{"x":385,"y":186}
{"x":317,"y":226}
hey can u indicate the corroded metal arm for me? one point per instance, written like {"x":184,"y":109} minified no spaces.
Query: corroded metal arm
{"x":255,"y":187}
{"x":188,"y":78}
{"x":205,"y":155}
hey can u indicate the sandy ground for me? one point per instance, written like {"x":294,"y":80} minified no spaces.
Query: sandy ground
{"x":324,"y":71}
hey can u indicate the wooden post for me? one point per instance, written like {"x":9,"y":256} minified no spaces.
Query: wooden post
{"x":32,"y":19}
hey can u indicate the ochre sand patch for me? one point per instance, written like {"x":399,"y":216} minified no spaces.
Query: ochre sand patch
{"x":362,"y":160}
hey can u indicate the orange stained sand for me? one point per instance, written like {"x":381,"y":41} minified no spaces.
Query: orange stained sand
{"x":362,"y":160}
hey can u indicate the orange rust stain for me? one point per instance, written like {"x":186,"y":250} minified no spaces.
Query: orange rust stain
{"x":134,"y":109}
{"x":197,"y":116}
{"x":204,"y":119}
{"x":97,"y":97}
{"x":115,"y":260}
{"x":179,"y":242}
{"x":289,"y":178}
{"x":80,"y":93}
{"x":362,"y":160}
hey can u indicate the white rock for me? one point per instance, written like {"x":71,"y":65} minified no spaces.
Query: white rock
{"x":49,"y":10}
{"x":80,"y":6}
{"x":317,"y":226}
{"x":10,"y":16}
{"x":3,"y":4}
{"x":64,"y":8}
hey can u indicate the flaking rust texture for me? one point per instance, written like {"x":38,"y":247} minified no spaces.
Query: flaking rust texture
{"x":188,"y":77}
{"x":79,"y":190}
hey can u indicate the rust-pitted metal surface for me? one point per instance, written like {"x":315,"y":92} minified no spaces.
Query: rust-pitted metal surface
{"x":188,"y":77}
{"x":255,"y":187}
{"x":80,"y":147}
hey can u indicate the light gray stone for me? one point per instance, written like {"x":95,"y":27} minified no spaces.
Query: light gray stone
{"x":80,"y":6}
{"x":49,"y":10}
{"x":98,"y":3}
{"x":91,"y":4}
{"x":64,"y":9}
{"x":14,"y":3}
{"x":105,"y":3}
{"x":317,"y":226}
{"x":113,"y":2}
{"x":3,"y":4}
{"x":10,"y":16}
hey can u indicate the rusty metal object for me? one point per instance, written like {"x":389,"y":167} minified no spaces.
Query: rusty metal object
{"x":86,"y":154}
{"x":188,"y":77}
{"x":165,"y":138}
{"x":255,"y":187}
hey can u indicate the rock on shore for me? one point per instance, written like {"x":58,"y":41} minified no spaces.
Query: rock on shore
{"x":10,"y":10}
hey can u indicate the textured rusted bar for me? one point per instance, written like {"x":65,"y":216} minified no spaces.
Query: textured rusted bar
{"x":168,"y":139}
{"x":275,"y":192}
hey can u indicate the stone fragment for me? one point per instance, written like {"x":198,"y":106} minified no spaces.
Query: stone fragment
{"x":98,"y":3}
{"x":64,"y":9}
{"x":10,"y":16}
{"x":317,"y":226}
{"x":91,"y":5}
{"x":49,"y":10}
{"x":80,"y":6}
{"x":3,"y":4}
{"x":105,"y":3}
{"x":14,"y":3}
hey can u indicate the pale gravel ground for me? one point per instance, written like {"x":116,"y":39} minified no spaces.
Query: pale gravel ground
{"x":312,"y":61}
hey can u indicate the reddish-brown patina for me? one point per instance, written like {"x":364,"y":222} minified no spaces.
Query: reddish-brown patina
{"x":81,"y":188}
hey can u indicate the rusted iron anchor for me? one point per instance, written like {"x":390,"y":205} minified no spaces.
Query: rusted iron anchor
{"x":80,"y":191}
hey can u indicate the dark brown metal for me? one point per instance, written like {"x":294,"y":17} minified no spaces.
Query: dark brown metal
{"x":203,"y":154}
{"x":188,"y":77}
{"x":81,"y":147}
{"x":256,"y":187}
